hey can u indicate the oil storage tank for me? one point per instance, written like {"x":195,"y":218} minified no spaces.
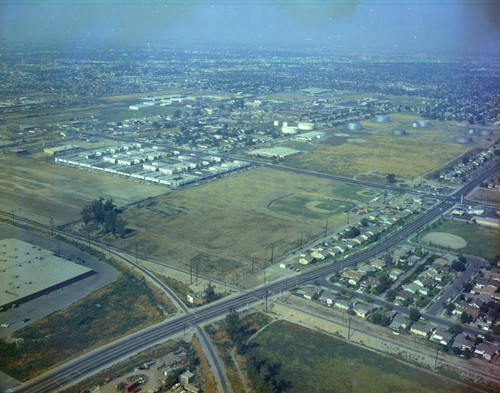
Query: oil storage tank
{"x":353,"y":126}
{"x":304,"y":126}
{"x":381,"y":118}
{"x":398,"y":132}
{"x":463,"y":140}
{"x":424,"y":123}
{"x":485,"y":132}
{"x":472,"y":131}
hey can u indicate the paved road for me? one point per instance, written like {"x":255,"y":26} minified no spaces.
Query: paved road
{"x":475,"y":265}
{"x":98,"y":359}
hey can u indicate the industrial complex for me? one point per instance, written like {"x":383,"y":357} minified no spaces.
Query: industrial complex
{"x":151,"y":164}
{"x":29,"y":271}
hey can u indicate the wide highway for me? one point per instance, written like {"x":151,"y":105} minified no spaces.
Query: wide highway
{"x":105,"y":356}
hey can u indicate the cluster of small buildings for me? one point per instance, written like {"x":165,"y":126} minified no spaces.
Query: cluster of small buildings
{"x":475,"y":307}
{"x":434,"y":275}
{"x":375,"y":224}
{"x":463,"y":169}
{"x":151,"y":164}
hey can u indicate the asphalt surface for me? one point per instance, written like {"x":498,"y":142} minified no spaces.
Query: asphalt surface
{"x":104,"y":356}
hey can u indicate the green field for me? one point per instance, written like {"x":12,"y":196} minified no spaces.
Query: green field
{"x":310,"y":361}
{"x":130,"y":114}
{"x":481,"y":241}
{"x":307,"y":205}
{"x":353,"y":193}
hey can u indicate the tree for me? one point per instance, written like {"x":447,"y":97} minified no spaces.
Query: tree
{"x":465,"y":318}
{"x":414,"y":314}
{"x":236,"y":331}
{"x":457,"y":265}
{"x":390,"y":295}
{"x":468,"y":286}
{"x":210,"y":295}
{"x":449,"y":308}
{"x":456,"y":329}
{"x":391,"y":178}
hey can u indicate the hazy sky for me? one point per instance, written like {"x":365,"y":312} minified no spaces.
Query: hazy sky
{"x":457,"y":26}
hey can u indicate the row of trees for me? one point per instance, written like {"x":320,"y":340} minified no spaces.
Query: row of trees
{"x":265,"y":375}
{"x":105,"y":215}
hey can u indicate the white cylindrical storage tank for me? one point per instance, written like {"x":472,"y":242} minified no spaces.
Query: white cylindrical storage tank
{"x":305,"y":126}
{"x":472,"y":131}
{"x":285,"y":123}
{"x":398,"y":132}
{"x":463,"y":139}
{"x":289,"y":129}
{"x":424,"y":123}
{"x":485,"y":132}
{"x":381,"y":118}
{"x":353,"y":126}
{"x":415,"y":124}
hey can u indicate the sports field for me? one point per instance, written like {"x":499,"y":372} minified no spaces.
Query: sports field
{"x":487,"y":247}
{"x":308,"y":205}
{"x":225,"y":224}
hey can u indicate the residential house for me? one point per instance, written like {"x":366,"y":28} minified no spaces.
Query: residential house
{"x":365,"y":269}
{"x":442,"y":336}
{"x":363,"y":310}
{"x":395,"y":273}
{"x":311,"y":293}
{"x":404,"y":296}
{"x":421,"y":329}
{"x":412,"y":288}
{"x":399,"y":255}
{"x":399,"y":322}
{"x":352,"y":276}
{"x":378,"y":264}
{"x":462,"y":342}
{"x":327,"y":298}
{"x":486,"y":351}
{"x":343,"y":304}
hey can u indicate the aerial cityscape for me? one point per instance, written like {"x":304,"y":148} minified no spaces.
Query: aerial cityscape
{"x":260,"y":197}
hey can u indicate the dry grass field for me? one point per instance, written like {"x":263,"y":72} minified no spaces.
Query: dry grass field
{"x":375,"y":148}
{"x":39,"y":190}
{"x":225,"y":224}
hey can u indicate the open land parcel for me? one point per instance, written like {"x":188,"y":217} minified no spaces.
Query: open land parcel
{"x":374,"y":148}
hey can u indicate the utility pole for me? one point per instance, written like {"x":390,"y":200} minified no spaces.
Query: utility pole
{"x":266,"y":299}
{"x":89,"y":240}
{"x":51,"y":226}
{"x":349,"y":330}
{"x":326,"y":229}
{"x":135,"y":252}
{"x":190,"y":272}
{"x":436,"y":361}
{"x":253,"y":262}
{"x":301,"y":239}
{"x":272,"y":253}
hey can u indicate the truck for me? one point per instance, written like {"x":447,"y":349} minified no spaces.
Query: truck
{"x":130,"y":387}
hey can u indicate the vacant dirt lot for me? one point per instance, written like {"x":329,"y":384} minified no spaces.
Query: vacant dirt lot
{"x":39,"y":189}
{"x":224,"y":224}
{"x":418,"y":152}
